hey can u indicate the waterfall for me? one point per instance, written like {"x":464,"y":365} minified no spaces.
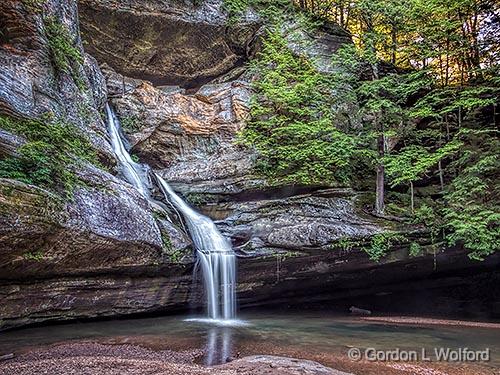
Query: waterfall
{"x":215,"y":255}
{"x":214,"y":251}
{"x":133,"y":172}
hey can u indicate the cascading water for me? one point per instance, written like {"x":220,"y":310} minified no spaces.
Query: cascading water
{"x":215,"y":254}
{"x":217,"y":259}
{"x":133,"y":172}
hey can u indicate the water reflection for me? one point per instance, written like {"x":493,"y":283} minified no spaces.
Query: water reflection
{"x":219,"y":347}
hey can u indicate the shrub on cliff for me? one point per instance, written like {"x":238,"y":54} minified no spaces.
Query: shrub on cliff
{"x":295,"y":118}
{"x":53,"y":150}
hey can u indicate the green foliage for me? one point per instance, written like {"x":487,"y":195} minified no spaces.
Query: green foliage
{"x":471,"y":213}
{"x":197,"y":199}
{"x":293,"y":119}
{"x":428,"y":216}
{"x":130,"y":124}
{"x":47,"y":159}
{"x":65,"y":56}
{"x":175,"y":256}
{"x":266,"y":8}
{"x":167,"y":243}
{"x":346,"y":244}
{"x":381,"y":243}
{"x":455,"y":39}
{"x":34,"y":5}
{"x":411,"y":162}
{"x":281,"y":257}
{"x":36,"y":256}
{"x":430,"y":123}
{"x":415,"y":249}
{"x":447,"y":101}
{"x":235,"y":8}
{"x":383,"y":100}
{"x":468,"y":214}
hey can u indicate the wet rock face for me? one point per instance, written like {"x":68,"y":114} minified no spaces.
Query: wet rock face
{"x":107,"y":227}
{"x":166,"y":42}
{"x":107,"y":215}
{"x":98,"y":296}
{"x":104,"y":228}
{"x":30,"y":84}
{"x":104,"y":252}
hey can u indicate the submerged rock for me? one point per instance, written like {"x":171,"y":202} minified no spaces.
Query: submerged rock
{"x":357,"y":311}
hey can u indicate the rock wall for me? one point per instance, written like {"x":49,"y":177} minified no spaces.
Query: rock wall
{"x":107,"y":227}
{"x":170,"y":42}
{"x":108,"y":251}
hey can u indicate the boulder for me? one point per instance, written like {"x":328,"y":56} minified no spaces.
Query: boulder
{"x":319,"y":45}
{"x":260,"y":364}
{"x":297,"y":223}
{"x":103,"y":229}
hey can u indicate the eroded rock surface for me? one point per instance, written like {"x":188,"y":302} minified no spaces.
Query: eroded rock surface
{"x":297,"y":223}
{"x":105,"y":227}
{"x":319,"y":45}
{"x":190,"y":139}
{"x":167,"y":42}
{"x":30,"y":85}
{"x":108,"y":251}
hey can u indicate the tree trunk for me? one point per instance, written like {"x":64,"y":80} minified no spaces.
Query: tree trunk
{"x":447,"y":127}
{"x":412,"y":198}
{"x":379,"y":196}
{"x":394,"y":37}
{"x":379,"y":189}
{"x":441,"y":176}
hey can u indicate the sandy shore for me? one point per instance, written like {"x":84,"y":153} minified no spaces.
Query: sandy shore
{"x":90,"y":358}
{"x":429,"y":321}
{"x":99,"y":359}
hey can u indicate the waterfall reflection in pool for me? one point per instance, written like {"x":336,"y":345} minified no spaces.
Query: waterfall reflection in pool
{"x":219,"y":347}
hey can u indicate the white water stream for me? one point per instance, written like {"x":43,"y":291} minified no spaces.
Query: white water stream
{"x":215,"y":254}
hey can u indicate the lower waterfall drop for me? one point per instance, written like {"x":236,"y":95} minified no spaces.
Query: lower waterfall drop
{"x":214,"y":251}
{"x":215,"y":254}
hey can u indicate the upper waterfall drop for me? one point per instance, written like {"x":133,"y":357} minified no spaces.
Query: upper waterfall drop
{"x":215,"y":254}
{"x":133,"y":172}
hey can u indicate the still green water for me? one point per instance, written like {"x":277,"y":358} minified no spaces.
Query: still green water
{"x":311,"y":336}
